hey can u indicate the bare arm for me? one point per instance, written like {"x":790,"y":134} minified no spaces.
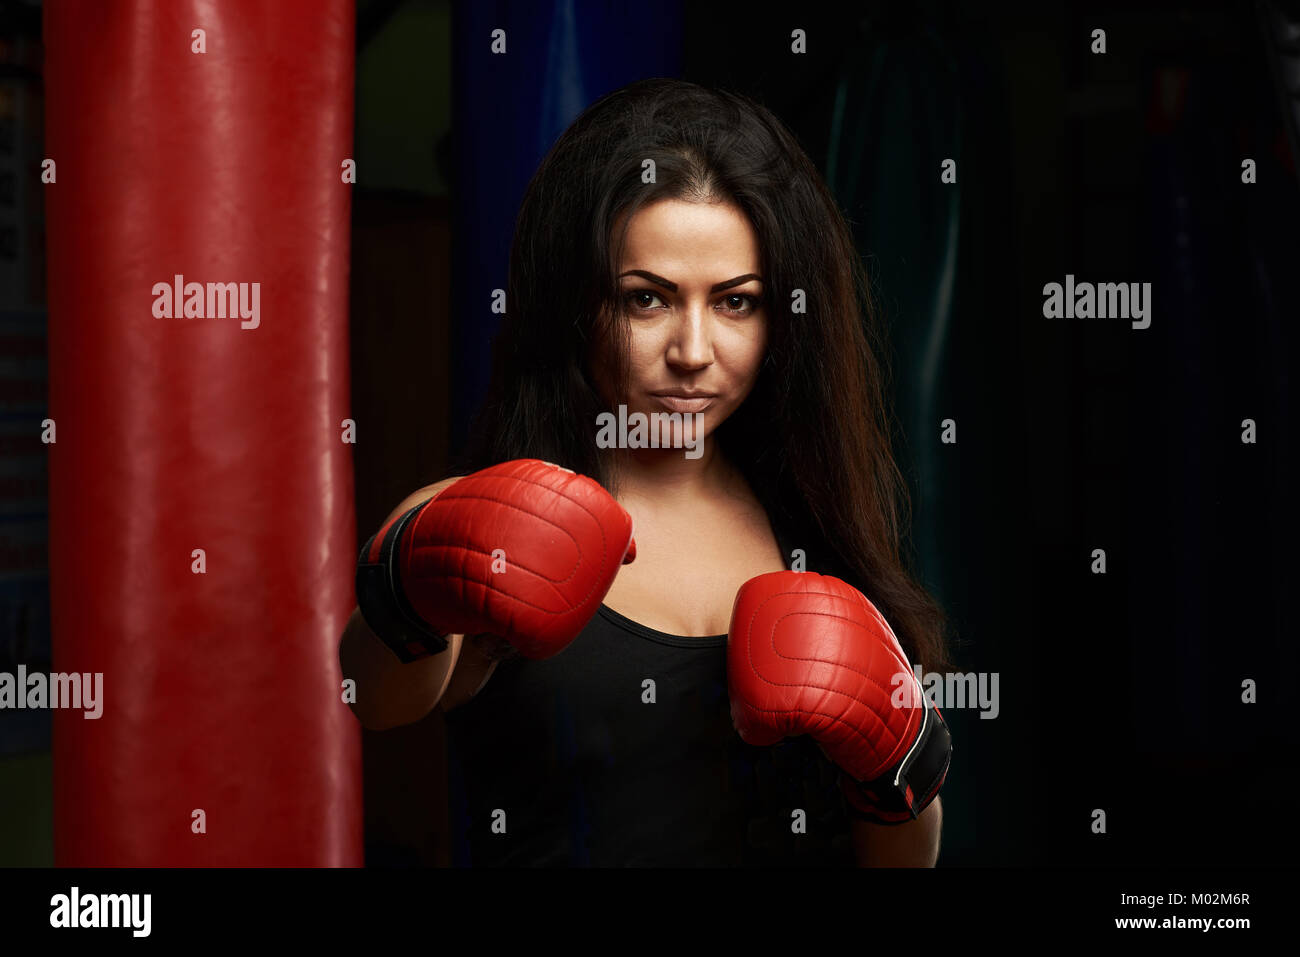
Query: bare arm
{"x":914,"y":844}
{"x":390,"y":693}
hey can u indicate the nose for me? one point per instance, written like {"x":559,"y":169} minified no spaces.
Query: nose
{"x":690,"y":346}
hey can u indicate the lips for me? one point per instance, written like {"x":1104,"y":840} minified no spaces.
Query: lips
{"x":678,"y":403}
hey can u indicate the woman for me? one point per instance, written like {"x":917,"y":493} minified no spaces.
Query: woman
{"x":675,"y":252}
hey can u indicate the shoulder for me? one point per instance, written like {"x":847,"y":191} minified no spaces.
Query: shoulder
{"x":421,"y":495}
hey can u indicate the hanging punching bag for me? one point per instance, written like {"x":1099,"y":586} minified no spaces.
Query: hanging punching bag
{"x":202,"y":539}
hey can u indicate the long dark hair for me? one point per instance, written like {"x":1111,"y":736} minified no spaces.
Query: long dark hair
{"x":813,"y":437}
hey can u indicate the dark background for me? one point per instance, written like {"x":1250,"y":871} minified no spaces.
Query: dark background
{"x":1119,"y":692}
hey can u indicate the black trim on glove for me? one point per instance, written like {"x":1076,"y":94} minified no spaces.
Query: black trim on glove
{"x":385,"y":606}
{"x":909,"y":786}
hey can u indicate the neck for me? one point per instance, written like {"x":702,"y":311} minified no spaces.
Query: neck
{"x":667,"y":477}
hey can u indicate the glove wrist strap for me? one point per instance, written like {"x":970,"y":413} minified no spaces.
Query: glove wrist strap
{"x":384,"y":605}
{"x":905,"y":790}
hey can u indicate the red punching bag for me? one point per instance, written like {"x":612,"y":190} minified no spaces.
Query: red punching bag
{"x":202,"y":534}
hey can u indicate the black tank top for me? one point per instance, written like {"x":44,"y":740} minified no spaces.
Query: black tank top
{"x":620,"y":752}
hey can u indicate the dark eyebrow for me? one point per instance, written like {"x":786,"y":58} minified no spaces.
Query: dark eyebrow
{"x":672,"y":286}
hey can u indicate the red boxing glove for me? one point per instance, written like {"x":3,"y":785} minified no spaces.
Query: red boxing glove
{"x":809,"y":654}
{"x":524,"y":550}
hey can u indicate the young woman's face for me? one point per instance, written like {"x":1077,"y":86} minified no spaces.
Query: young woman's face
{"x":691,"y":291}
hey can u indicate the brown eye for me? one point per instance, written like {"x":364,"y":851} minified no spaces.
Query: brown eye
{"x":742,"y":304}
{"x":641,"y":299}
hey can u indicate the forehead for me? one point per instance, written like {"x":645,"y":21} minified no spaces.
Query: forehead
{"x":690,"y":238}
